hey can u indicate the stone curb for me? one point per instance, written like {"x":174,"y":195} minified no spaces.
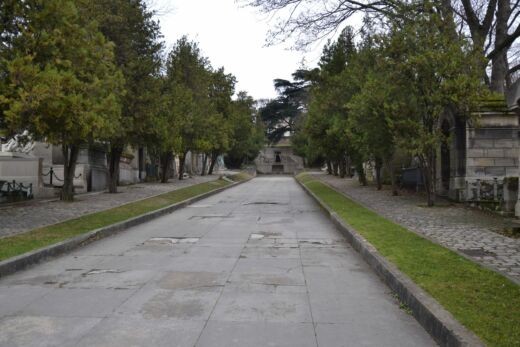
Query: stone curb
{"x":92,"y":212}
{"x":12,"y":265}
{"x":438,"y":322}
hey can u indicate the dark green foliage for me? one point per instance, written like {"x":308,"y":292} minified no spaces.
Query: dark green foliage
{"x":187,"y":100}
{"x":247,"y":134}
{"x":390,"y":91}
{"x":326,"y":122}
{"x":280,"y":116}
{"x":62,"y":83}
{"x":130,"y":26}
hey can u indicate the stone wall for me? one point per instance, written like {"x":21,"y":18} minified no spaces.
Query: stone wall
{"x":493,"y":147}
{"x":129,"y":168}
{"x":21,"y":169}
{"x":479,"y":153}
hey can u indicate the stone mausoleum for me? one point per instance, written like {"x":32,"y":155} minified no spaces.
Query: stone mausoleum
{"x":479,"y":163}
{"x":42,"y":168}
{"x":278,"y":159}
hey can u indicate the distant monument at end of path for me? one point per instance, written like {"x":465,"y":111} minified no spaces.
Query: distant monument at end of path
{"x":278,"y":158}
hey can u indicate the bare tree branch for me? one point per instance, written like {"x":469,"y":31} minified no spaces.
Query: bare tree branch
{"x":514,"y":15}
{"x":307,"y":22}
{"x":513,"y":69}
{"x":506,"y":43}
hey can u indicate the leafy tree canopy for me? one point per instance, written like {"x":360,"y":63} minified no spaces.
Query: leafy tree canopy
{"x":281,"y":114}
{"x":62,"y":83}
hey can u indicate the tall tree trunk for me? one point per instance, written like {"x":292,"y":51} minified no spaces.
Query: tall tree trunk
{"x":342,"y":167}
{"x":499,"y":73}
{"x":379,"y":166}
{"x":114,"y":157}
{"x":348,"y":164}
{"x":214,"y":157}
{"x":204,"y":164}
{"x":329,"y":167}
{"x":430,"y":197}
{"x":173,"y":172}
{"x":70,"y":156}
{"x":165,"y":159}
{"x":428,"y":173}
{"x":182,"y":161}
{"x":194,"y":158}
{"x":391,"y":169}
{"x":335,"y":168}
{"x":361,"y":174}
{"x":395,"y":190}
{"x":499,"y":65}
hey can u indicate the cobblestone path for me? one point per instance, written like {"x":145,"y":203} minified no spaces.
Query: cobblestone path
{"x":20,"y":218}
{"x":462,"y":229}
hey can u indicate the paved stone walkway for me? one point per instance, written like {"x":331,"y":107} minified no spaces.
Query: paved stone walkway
{"x":256,"y":265}
{"x":462,"y":229}
{"x":20,"y":218}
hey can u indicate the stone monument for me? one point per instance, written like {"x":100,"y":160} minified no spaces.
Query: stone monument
{"x":18,"y":164}
{"x":278,"y":159}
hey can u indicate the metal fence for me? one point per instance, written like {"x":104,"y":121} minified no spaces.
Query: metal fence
{"x":12,"y":191}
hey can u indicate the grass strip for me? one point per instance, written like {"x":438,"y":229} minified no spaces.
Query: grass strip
{"x":484,"y":301}
{"x":12,"y":246}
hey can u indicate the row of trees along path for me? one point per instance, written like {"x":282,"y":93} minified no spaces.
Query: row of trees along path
{"x":378,"y":95}
{"x":92,"y":72}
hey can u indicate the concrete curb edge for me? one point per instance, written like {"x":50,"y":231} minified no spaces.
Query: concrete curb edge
{"x":20,"y":262}
{"x":436,"y":320}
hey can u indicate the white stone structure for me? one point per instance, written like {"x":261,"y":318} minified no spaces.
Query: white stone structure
{"x":20,"y":143}
{"x":129,"y":170}
{"x":278,"y":160}
{"x":18,"y":164}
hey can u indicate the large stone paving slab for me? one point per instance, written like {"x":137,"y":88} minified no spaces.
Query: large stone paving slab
{"x":276,"y":271}
{"x":242,"y":306}
{"x":259,"y":266}
{"x":247,"y":334}
{"x":363,"y":333}
{"x":183,"y":304}
{"x":65,"y":302}
{"x":14,"y":299}
{"x":31,"y":331}
{"x":137,"y":332}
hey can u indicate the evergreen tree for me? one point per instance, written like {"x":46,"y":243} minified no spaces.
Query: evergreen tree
{"x":13,"y":19}
{"x":129,"y":24}
{"x":63,"y":83}
{"x":432,"y":72}
{"x":187,"y":88}
{"x":328,"y":114}
{"x":370,"y":116}
{"x":281,"y":115}
{"x":220,"y":124}
{"x":247,"y":135}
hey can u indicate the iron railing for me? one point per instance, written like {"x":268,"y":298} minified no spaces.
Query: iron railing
{"x":13,"y":190}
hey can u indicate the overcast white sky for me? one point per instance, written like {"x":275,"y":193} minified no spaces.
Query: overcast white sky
{"x":232,"y":37}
